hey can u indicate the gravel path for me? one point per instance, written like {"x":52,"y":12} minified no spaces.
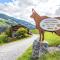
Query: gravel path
{"x":12,"y":50}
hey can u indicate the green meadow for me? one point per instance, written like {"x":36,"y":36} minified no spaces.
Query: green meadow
{"x":48,"y":56}
{"x":52,"y":39}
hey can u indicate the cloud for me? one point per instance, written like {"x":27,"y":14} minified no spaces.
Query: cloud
{"x":58,"y":12}
{"x":44,"y":1}
{"x":22,"y":8}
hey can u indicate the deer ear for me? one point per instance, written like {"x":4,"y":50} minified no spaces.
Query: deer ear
{"x":33,"y":10}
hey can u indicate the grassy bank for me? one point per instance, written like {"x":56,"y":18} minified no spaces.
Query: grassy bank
{"x":13,"y":40}
{"x":51,"y":56}
{"x":10,"y":36}
{"x":53,"y":40}
{"x":26,"y":55}
{"x":47,"y":56}
{"x":34,"y":31}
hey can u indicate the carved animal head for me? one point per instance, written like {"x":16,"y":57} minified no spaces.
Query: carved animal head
{"x":33,"y":14}
{"x":36,"y":16}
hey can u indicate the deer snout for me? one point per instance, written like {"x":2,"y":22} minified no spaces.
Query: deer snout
{"x":32,"y":16}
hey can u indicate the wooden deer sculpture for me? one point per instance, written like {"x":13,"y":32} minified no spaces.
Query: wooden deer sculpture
{"x":37,"y":20}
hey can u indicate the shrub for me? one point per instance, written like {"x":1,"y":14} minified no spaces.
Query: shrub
{"x":9,"y":32}
{"x":3,"y":38}
{"x":11,"y":39}
{"x":22,"y":32}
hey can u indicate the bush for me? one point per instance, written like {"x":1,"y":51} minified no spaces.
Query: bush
{"x":3,"y":38}
{"x":9,"y":32}
{"x":11,"y":39}
{"x":22,"y":32}
{"x":27,"y":55}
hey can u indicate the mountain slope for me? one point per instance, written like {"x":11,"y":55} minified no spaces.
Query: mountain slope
{"x":14,"y":21}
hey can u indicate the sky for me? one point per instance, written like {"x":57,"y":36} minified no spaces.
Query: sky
{"x":3,"y":1}
{"x":22,"y":9}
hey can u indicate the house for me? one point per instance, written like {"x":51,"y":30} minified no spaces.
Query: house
{"x":15,"y":28}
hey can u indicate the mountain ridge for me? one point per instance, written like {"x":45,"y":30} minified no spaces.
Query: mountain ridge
{"x":15,"y":21}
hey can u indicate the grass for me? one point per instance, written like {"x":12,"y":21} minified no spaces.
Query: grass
{"x":53,"y":40}
{"x":34,"y":31}
{"x":51,"y":56}
{"x":26,"y":55}
{"x":47,"y":56}
{"x":16,"y":40}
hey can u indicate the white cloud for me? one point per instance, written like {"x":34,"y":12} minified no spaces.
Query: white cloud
{"x":22,"y":8}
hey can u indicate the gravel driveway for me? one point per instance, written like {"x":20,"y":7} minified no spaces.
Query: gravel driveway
{"x":12,"y":50}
